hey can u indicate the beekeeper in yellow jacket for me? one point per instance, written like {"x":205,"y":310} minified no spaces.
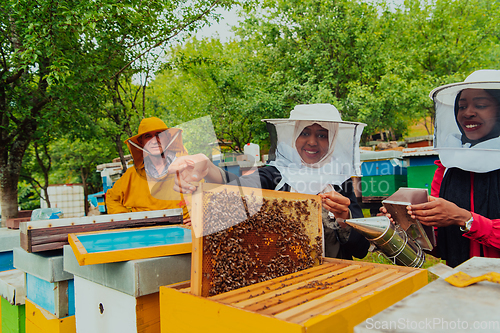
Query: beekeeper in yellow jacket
{"x":147,"y":185}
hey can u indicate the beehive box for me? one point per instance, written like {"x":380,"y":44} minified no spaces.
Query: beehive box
{"x":109,"y":246}
{"x":12,"y":298}
{"x":39,"y":320}
{"x":45,"y":235}
{"x":123,"y":296}
{"x":102,"y":309}
{"x":332,"y":297}
{"x":47,"y":284}
{"x":382,"y":186}
{"x":246,"y":235}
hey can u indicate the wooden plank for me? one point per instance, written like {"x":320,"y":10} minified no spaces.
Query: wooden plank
{"x":85,"y":220}
{"x":48,"y":236}
{"x":15,"y":222}
{"x":280,"y":291}
{"x":255,"y":290}
{"x":197,"y":250}
{"x":346,"y":300}
{"x":331,"y":296}
{"x":148,"y":313}
{"x":307,"y":293}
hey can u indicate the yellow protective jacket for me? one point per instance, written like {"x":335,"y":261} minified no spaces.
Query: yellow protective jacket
{"x":134,"y":191}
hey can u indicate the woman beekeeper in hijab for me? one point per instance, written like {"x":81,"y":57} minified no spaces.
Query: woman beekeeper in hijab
{"x":147,"y":185}
{"x":317,"y":153}
{"x":467,"y":181}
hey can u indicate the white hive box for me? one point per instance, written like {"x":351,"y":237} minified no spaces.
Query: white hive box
{"x":123,"y":296}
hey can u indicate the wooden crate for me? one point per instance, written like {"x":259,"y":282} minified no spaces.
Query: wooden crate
{"x":15,"y":222}
{"x":47,"y":235}
{"x":246,"y":235}
{"x":39,"y":320}
{"x":332,"y":297}
{"x":128,"y":244}
{"x":102,"y":309}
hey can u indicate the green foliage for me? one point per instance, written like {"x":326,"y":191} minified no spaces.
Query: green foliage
{"x":210,"y":78}
{"x":61,"y":62}
{"x":28,"y":197}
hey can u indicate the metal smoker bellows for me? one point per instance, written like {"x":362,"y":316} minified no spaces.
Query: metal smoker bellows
{"x":390,"y":239}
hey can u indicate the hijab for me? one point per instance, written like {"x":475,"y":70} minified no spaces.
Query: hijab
{"x":339,"y":163}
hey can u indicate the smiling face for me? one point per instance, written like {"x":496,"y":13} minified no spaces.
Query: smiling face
{"x":312,"y":143}
{"x":477,"y":113}
{"x":154,"y":142}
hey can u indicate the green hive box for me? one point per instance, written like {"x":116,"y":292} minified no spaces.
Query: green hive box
{"x":13,"y":317}
{"x":382,"y":186}
{"x":421,"y":176}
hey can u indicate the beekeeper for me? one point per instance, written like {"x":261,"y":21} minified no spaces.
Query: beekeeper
{"x":465,"y":201}
{"x":147,"y":185}
{"x":317,"y":153}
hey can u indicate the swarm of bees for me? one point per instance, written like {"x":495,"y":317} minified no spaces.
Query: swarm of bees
{"x":252,"y":239}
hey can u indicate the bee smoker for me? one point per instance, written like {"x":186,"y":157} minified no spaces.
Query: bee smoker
{"x":391,"y":240}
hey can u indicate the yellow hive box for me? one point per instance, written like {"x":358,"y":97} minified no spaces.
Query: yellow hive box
{"x":335,"y":296}
{"x":39,"y":320}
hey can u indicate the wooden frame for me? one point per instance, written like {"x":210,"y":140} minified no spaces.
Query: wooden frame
{"x":81,"y":245}
{"x":44,"y":235}
{"x":314,"y":229}
{"x":332,"y":297}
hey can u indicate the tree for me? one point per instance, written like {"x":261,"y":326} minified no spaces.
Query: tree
{"x":221,"y":80}
{"x":78,"y":159}
{"x":56,"y":58}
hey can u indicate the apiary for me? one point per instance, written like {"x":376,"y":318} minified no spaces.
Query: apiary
{"x":244,"y":236}
{"x":334,"y":296}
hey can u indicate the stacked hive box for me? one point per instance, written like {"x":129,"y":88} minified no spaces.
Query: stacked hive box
{"x":123,"y":296}
{"x":50,"y":301}
{"x":420,"y":166}
{"x":12,"y":286}
{"x":383,"y":173}
{"x":12,"y":307}
{"x":9,"y":239}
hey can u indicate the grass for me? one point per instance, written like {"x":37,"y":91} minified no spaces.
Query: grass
{"x":380,"y":259}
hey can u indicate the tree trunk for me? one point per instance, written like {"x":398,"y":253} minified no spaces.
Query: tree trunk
{"x":119,"y":149}
{"x":9,"y":196}
{"x":10,"y":169}
{"x":84,"y":174}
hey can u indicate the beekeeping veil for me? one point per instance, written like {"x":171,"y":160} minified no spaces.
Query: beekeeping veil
{"x":339,"y":163}
{"x":450,"y":140}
